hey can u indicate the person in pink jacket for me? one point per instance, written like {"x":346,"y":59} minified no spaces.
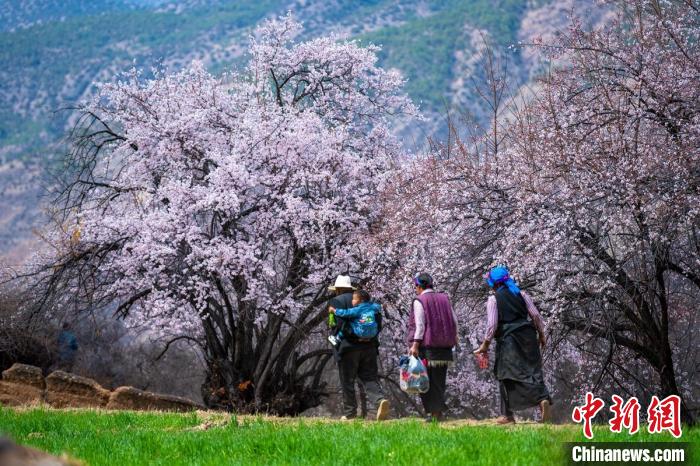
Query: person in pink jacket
{"x":432,"y":335}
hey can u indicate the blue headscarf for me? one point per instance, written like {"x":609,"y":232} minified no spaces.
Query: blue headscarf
{"x":500,"y":275}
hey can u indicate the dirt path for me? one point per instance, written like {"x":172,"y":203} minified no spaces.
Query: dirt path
{"x":214,"y":419}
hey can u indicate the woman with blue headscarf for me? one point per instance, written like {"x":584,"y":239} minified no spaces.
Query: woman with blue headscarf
{"x":517,"y":326}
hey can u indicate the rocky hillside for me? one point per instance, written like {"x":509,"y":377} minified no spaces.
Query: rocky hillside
{"x":51,"y":53}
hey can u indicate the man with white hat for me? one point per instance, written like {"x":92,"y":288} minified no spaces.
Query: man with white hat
{"x":356,"y":357}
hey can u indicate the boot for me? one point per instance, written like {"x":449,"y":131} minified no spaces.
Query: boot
{"x":383,"y":410}
{"x":545,"y":411}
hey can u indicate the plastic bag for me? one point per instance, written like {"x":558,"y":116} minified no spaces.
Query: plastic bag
{"x":413,"y":375}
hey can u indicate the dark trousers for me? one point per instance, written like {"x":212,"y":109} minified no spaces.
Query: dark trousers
{"x":359,"y":364}
{"x":434,"y":399}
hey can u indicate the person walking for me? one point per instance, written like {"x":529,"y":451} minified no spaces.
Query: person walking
{"x":67,"y":344}
{"x":518,"y":366}
{"x":356,"y":357}
{"x":432,"y":334}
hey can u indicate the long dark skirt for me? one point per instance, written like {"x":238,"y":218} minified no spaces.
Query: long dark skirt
{"x":518,"y":367}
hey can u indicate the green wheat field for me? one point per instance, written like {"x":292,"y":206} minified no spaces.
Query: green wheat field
{"x":131,"y":438}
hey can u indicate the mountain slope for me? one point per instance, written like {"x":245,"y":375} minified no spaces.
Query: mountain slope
{"x":52,"y":52}
{"x":52,"y":61}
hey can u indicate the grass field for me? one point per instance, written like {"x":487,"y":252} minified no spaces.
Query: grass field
{"x":126,"y":438}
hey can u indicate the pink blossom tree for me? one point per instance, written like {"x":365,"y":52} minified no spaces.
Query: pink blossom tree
{"x":606,"y":169}
{"x":592,"y":198}
{"x":218,"y":209}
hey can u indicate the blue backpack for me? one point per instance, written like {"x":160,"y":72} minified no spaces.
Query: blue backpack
{"x":365,"y":325}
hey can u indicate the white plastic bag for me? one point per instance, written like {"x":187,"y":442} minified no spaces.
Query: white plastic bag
{"x":413,"y":375}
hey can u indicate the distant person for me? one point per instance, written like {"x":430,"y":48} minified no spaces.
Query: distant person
{"x":432,"y":335}
{"x":356,"y":355}
{"x":518,"y":366}
{"x":67,"y":348}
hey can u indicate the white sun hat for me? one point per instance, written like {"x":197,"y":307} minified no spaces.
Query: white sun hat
{"x":342,"y":282}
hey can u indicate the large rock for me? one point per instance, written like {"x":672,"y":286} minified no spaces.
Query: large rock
{"x":21,"y":385}
{"x":133,"y":398}
{"x":69,"y":390}
{"x":24,"y":374}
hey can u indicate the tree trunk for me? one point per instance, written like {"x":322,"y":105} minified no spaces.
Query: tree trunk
{"x":669,"y":386}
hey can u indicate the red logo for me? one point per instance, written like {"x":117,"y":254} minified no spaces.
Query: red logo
{"x":587,"y":412}
{"x":665,"y":415}
{"x":662,"y":414}
{"x":625,"y":415}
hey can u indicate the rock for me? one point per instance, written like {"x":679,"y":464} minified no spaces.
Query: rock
{"x":24,"y":374}
{"x":133,"y":398}
{"x":22,"y":384}
{"x":15,"y":394}
{"x":12,"y":454}
{"x":70,"y":390}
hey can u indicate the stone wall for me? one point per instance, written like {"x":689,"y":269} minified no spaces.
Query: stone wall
{"x":23,"y":385}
